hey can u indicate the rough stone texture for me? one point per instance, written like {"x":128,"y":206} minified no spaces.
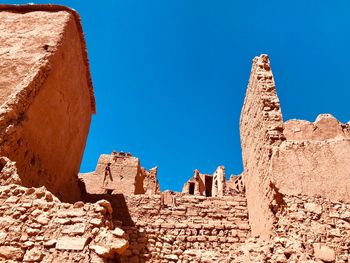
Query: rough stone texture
{"x":8,"y":172}
{"x":315,"y":159}
{"x":308,"y":230}
{"x":184,"y":229}
{"x":46,"y":97}
{"x":296,"y":179}
{"x":36,"y":226}
{"x":261,"y":129}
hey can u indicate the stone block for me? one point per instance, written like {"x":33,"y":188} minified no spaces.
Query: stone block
{"x":71,"y":243}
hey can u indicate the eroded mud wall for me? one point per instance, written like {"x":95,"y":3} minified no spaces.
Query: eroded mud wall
{"x":45,"y":117}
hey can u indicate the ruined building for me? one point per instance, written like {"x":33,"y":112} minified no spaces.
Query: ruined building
{"x":213,"y":184}
{"x":290,"y":204}
{"x":120,"y":173}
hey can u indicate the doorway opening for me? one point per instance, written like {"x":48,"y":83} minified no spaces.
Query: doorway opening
{"x":191,"y":190}
{"x":208,"y":185}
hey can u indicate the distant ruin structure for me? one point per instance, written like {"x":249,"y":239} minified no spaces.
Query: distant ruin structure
{"x":208,"y":184}
{"x":120,"y":173}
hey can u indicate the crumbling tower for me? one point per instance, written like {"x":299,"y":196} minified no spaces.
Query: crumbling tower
{"x":261,"y":127}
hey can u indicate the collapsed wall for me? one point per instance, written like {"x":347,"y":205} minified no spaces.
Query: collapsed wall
{"x":309,"y":229}
{"x":182,"y":228}
{"x":261,"y":127}
{"x":46,"y":99}
{"x":207,"y":184}
{"x":36,"y":227}
{"x":295,"y":173}
{"x":46,"y":103}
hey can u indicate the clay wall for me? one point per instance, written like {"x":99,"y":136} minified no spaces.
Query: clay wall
{"x":46,"y":110}
{"x":186,"y":228}
{"x":315,"y":159}
{"x":261,"y":127}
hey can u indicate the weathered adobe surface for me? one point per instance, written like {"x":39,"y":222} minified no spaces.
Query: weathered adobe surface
{"x":150,"y":181}
{"x":297,"y":181}
{"x":36,"y":227}
{"x":207,"y":184}
{"x":46,"y":99}
{"x":315,"y":159}
{"x":46,"y":104}
{"x":185,"y":229}
{"x":261,"y":127}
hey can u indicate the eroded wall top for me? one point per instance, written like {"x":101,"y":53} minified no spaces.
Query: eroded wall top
{"x":29,"y":34}
{"x":315,"y":159}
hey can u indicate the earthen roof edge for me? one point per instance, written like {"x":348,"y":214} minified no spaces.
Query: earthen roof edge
{"x":55,"y":8}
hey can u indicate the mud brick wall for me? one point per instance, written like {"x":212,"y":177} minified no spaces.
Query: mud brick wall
{"x":261,"y":127}
{"x":46,"y":99}
{"x":195,"y":228}
{"x":315,"y":159}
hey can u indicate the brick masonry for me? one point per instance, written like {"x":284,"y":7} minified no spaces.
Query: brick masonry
{"x":186,"y":229}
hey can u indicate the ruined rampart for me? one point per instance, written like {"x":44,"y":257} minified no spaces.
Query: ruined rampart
{"x":186,"y":228}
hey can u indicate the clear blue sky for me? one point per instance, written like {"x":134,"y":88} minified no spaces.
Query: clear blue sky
{"x":170,"y":76}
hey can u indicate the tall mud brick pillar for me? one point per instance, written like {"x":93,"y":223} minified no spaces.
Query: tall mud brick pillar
{"x":261,"y":129}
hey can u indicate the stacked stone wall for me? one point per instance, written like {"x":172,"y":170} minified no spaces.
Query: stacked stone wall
{"x":308,"y":229}
{"x":36,"y":227}
{"x":321,"y":225}
{"x":194,"y":229}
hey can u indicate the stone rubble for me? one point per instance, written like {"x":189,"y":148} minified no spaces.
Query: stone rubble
{"x":36,"y":227}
